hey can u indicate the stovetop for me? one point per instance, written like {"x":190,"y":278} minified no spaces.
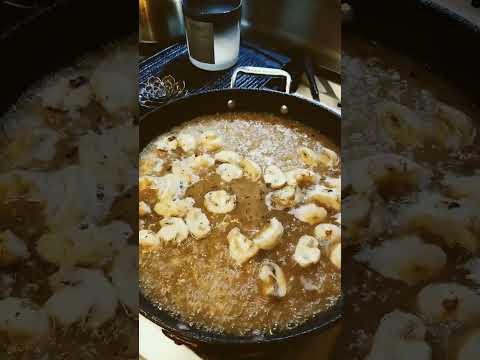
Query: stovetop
{"x":167,"y":74}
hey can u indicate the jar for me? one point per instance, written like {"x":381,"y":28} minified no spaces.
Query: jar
{"x":212,"y":32}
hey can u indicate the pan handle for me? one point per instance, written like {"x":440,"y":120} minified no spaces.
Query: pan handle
{"x":262,"y":71}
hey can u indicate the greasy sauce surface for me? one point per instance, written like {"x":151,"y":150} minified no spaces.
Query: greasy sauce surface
{"x":199,"y":282}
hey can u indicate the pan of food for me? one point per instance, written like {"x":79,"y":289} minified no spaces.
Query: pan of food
{"x":239,"y":203}
{"x":69,"y":147}
{"x":410,"y":150}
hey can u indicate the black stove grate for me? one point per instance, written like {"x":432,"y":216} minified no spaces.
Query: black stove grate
{"x":174,"y":62}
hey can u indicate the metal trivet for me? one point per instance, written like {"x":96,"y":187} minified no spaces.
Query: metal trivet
{"x":156,"y":91}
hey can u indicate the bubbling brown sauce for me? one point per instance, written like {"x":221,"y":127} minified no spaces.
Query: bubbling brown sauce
{"x":198,"y":281}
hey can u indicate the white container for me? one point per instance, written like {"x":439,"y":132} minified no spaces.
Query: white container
{"x":212,"y":30}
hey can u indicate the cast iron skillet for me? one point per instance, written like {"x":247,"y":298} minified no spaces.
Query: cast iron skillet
{"x":161,"y":120}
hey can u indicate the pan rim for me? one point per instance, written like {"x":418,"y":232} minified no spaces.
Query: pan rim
{"x":189,"y":333}
{"x":187,"y":97}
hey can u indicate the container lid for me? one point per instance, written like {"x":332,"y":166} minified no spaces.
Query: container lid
{"x":211,"y":10}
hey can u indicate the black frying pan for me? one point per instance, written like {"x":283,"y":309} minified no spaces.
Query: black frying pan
{"x":163,"y":119}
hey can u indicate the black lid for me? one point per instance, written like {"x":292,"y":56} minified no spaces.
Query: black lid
{"x":211,"y":10}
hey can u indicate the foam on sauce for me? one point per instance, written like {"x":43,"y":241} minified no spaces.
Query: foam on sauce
{"x":199,"y":282}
